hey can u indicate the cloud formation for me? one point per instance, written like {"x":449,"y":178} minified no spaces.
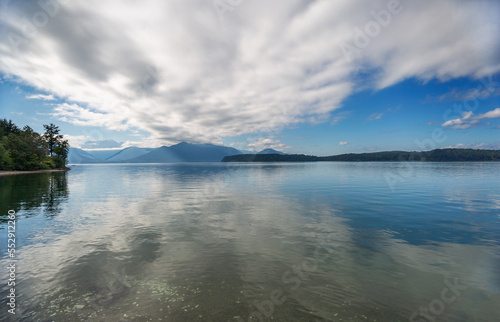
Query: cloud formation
{"x":77,"y":115}
{"x":375,"y":116}
{"x":41,"y":97}
{"x":484,"y":146}
{"x":177,"y":70}
{"x":261,"y":143}
{"x":469,"y":120}
{"x":466,"y":95}
{"x":76,"y":141}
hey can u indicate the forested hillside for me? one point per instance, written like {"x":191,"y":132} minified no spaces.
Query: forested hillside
{"x":438,"y":155}
{"x":25,"y":149}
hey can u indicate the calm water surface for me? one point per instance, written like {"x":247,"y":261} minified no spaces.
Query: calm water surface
{"x":243,"y":242}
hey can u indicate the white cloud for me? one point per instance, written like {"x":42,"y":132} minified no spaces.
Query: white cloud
{"x":343,"y":143}
{"x":494,"y":114}
{"x":262,"y":67}
{"x":78,"y":115}
{"x":76,"y":141}
{"x":485,"y":146}
{"x":41,"y":97}
{"x":85,"y":142}
{"x":466,"y":95}
{"x":375,"y":116}
{"x":469,"y":120}
{"x":261,"y":143}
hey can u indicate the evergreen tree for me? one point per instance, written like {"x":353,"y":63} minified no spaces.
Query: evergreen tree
{"x":61,"y":152}
{"x":27,"y":150}
{"x":52,"y":136}
{"x":7,"y":127}
{"x":5,"y":159}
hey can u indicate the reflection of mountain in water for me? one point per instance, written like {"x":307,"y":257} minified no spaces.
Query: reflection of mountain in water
{"x":44,"y":191}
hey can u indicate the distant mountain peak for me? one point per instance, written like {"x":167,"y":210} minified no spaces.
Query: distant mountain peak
{"x":102,"y":144}
{"x":270,"y":151}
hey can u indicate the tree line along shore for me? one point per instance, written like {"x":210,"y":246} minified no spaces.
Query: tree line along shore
{"x":24,"y":150}
{"x":437,"y":155}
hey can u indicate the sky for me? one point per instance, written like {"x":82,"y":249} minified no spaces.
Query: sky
{"x":315,"y":77}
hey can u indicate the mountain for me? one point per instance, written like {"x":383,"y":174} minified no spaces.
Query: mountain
{"x":160,"y":155}
{"x":186,"y":152}
{"x":270,"y":151}
{"x":127,"y":154}
{"x":102,"y":154}
{"x":80,"y":156}
{"x":182,"y":152}
{"x":101,"y":144}
{"x":202,"y":152}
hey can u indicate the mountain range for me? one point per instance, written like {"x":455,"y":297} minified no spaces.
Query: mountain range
{"x":182,"y":152}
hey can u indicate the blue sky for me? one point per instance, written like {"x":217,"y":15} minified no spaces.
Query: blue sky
{"x":407,"y":116}
{"x":311,"y":77}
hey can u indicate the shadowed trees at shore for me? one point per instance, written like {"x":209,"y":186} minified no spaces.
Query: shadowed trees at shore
{"x":25,"y":149}
{"x":438,"y":155}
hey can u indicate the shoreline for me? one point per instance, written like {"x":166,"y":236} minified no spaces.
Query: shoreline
{"x":16,"y":172}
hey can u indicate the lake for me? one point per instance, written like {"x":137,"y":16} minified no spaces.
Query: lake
{"x":251,"y":241}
